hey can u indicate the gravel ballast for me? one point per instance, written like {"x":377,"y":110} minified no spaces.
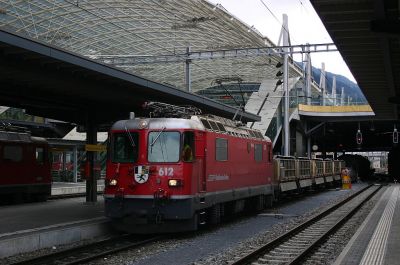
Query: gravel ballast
{"x":219,"y":245}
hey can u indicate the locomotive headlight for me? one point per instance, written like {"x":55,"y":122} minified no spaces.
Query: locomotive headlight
{"x":143,"y":124}
{"x":113,"y":182}
{"x":174,"y":182}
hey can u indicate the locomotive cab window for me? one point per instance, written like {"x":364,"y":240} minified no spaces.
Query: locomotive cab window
{"x":163,"y":146}
{"x":258,"y":152}
{"x":188,"y":147}
{"x":125,"y":147}
{"x":12,"y":153}
{"x":39,"y":154}
{"x":221,"y":149}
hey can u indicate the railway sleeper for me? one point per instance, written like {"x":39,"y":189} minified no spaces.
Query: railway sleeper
{"x":270,"y":258}
{"x":285,"y":255}
{"x":287,"y":246}
{"x":301,"y":238}
{"x":309,"y":235}
{"x":290,"y":250}
{"x":321,"y":253}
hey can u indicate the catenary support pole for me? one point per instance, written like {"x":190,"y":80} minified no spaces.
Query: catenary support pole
{"x":308,"y":77}
{"x":188,"y":81}
{"x":285,"y":38}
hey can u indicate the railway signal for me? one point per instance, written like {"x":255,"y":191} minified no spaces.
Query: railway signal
{"x":395,"y":135}
{"x":359,"y":138}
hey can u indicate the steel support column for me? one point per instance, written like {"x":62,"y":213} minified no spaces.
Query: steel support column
{"x":286,"y":128}
{"x":91,"y":182}
{"x":75,"y":165}
{"x":308,"y":137}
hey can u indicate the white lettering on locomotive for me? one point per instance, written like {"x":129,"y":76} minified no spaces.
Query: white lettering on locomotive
{"x":166,"y":171}
{"x":217,"y":177}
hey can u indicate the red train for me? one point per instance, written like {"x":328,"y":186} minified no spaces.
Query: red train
{"x":172,"y":174}
{"x":24,"y":164}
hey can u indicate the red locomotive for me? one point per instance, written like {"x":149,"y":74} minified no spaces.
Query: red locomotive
{"x":172,"y":174}
{"x":24,"y":164}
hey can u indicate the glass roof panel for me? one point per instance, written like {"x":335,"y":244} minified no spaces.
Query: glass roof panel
{"x":127,"y":28}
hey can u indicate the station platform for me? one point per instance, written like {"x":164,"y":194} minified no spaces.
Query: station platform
{"x":377,"y":241}
{"x":59,"y":189}
{"x":32,"y":226}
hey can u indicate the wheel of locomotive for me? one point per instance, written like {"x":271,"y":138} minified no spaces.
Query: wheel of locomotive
{"x":269,"y":199}
{"x":259,"y":203}
{"x":255,"y":204}
{"x":17,"y":198}
{"x":40,"y":197}
{"x":214,"y":214}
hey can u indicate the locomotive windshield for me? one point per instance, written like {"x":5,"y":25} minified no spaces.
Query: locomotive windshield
{"x":163,"y":146}
{"x":123,"y":151}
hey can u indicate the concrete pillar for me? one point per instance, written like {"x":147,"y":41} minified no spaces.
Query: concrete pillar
{"x":322,"y":83}
{"x":300,"y":150}
{"x":342,"y":97}
{"x":334,"y":90}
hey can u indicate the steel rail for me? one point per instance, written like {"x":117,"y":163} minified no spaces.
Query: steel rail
{"x":284,"y":237}
{"x":334,"y":228}
{"x":70,"y":195}
{"x":85,"y":253}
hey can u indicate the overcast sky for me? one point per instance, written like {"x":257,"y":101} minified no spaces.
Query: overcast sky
{"x":304,"y":26}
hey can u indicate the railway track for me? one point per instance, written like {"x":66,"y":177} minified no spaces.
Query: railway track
{"x":294,"y":246}
{"x":71,"y":195}
{"x":83,"y":254}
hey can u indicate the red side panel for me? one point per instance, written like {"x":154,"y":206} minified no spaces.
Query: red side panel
{"x":240,"y":170}
{"x":27,"y":170}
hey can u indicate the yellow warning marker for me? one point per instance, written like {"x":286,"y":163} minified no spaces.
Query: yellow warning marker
{"x":346,"y":180}
{"x":95,"y":148}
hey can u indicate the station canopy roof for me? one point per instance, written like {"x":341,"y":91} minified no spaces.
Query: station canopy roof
{"x":366,"y":32}
{"x":117,"y":32}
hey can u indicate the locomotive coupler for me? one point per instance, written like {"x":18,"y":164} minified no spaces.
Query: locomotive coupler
{"x":160,"y":197}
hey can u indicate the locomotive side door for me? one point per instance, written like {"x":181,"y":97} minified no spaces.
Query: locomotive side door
{"x":200,"y":164}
